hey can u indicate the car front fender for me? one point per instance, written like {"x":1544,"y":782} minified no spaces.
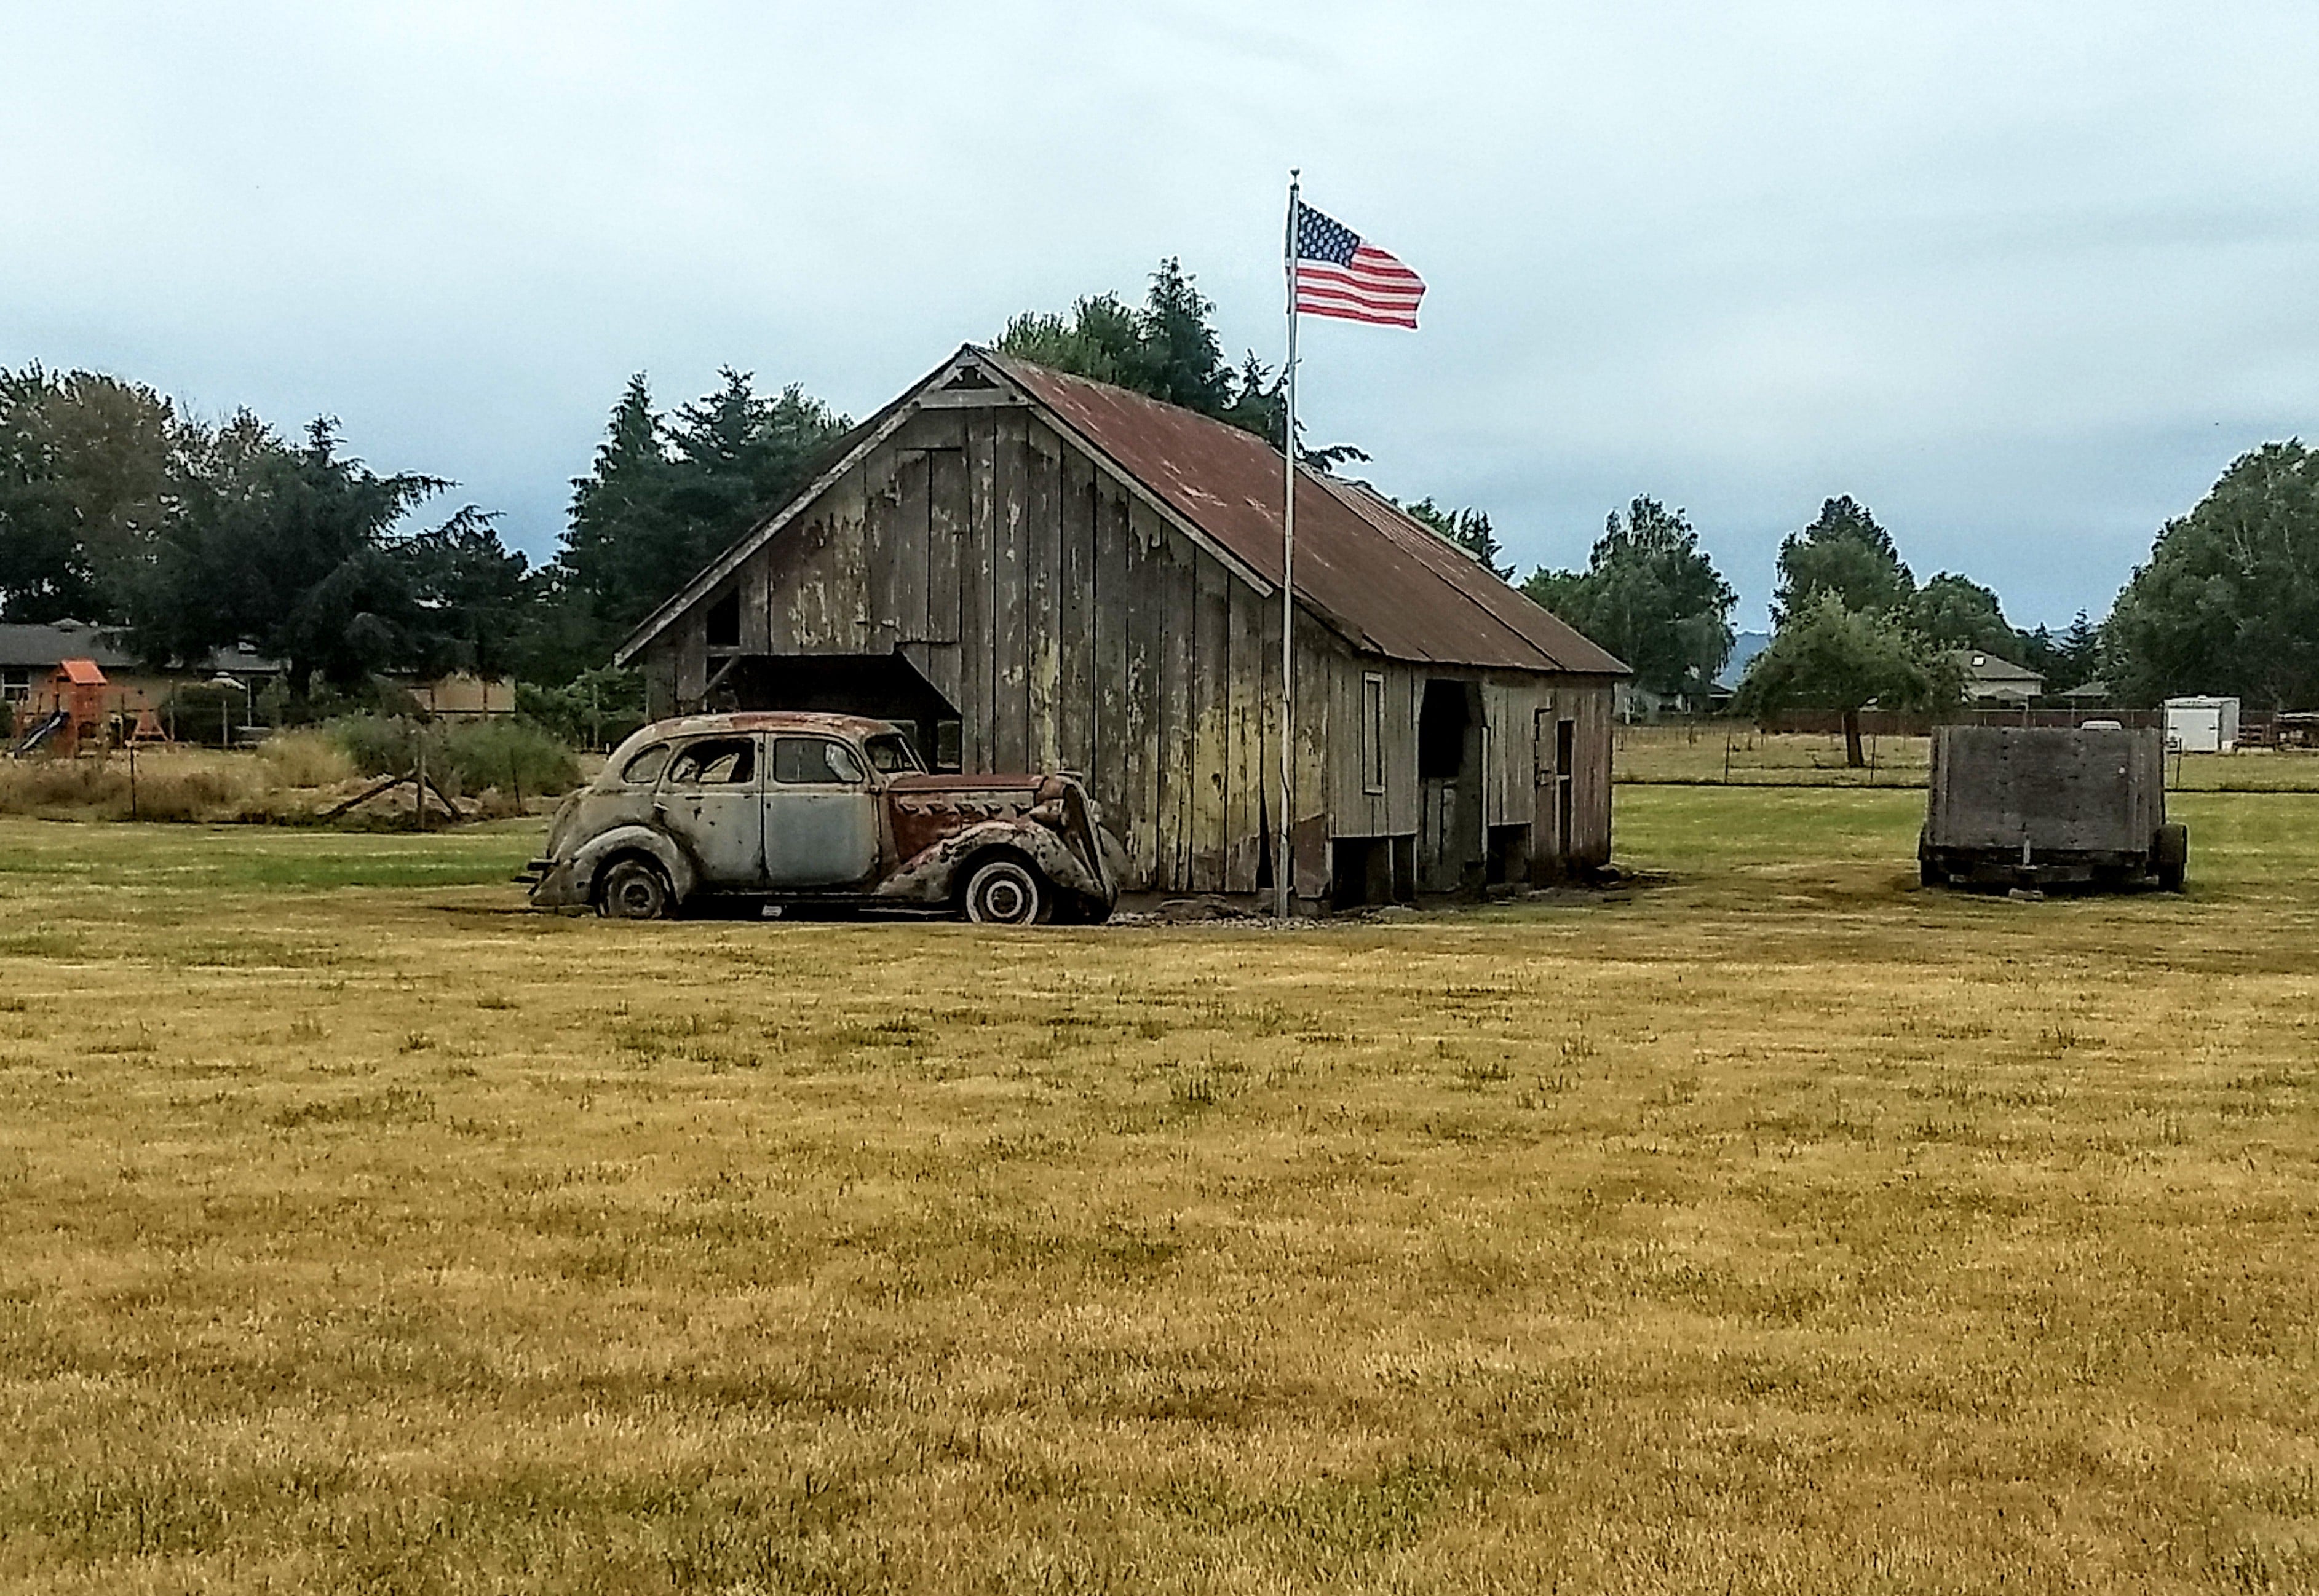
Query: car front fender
{"x":570,"y":882}
{"x":932,"y":875}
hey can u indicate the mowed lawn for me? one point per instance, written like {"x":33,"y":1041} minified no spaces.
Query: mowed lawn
{"x":1772,"y":1225}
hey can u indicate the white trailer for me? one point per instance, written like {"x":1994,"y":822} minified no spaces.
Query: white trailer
{"x":2202,"y":725}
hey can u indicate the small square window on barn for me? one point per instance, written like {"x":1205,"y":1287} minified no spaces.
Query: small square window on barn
{"x":15,"y":684}
{"x":1371,"y":732}
{"x":725,"y":621}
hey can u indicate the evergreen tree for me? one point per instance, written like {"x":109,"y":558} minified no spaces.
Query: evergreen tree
{"x":1167,"y":349}
{"x":1186,"y":362}
{"x":616,"y":544}
{"x":473,"y":595}
{"x":290,"y":549}
{"x":663,"y":497}
{"x":735,"y":455}
{"x":1468,"y":529}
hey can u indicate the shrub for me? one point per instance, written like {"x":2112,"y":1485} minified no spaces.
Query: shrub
{"x":598,"y":707}
{"x":171,"y":789}
{"x":512,"y":755}
{"x":376,"y":746}
{"x":307,"y":759}
{"x":464,"y":755}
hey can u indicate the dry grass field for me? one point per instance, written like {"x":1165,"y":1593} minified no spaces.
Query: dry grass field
{"x":1735,"y":754}
{"x":1771,"y":1226}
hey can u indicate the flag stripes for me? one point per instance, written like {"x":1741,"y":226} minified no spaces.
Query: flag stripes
{"x":1337,"y":274}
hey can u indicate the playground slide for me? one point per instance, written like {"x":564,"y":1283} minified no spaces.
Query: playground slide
{"x":43,"y":732}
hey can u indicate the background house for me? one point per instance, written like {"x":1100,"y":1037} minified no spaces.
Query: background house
{"x":1041,"y":571}
{"x":31,"y":654}
{"x":1991,"y":682}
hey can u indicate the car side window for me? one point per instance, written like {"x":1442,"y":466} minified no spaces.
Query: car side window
{"x":643,"y":770}
{"x":714,"y":761}
{"x":815,"y":762}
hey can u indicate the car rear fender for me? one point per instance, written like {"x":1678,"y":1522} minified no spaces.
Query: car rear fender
{"x":578,"y":874}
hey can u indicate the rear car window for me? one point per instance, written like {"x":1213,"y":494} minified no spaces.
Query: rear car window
{"x":644,"y":768}
{"x":814,"y":762}
{"x":714,"y":761}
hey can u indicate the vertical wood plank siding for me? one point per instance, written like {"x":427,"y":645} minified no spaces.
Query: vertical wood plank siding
{"x":976,"y":625}
{"x":1071,"y":625}
{"x":948,"y":509}
{"x":1142,"y":596}
{"x":1072,"y":692}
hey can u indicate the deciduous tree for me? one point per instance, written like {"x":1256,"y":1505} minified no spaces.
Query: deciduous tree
{"x":1650,"y":595}
{"x":91,"y":468}
{"x":1844,"y":552}
{"x":1827,"y":656}
{"x":2228,"y":601}
{"x":1957,"y":612}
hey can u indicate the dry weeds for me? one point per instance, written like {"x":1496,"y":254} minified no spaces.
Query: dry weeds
{"x":1781,"y":1229}
{"x":292,"y":779}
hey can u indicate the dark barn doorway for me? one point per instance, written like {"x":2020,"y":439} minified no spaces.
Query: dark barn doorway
{"x":881,"y":687}
{"x":1449,"y":843}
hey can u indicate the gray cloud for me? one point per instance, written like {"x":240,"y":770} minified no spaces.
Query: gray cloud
{"x":2024,"y":278}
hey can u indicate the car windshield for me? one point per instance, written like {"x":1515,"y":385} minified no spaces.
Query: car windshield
{"x":889,"y":754}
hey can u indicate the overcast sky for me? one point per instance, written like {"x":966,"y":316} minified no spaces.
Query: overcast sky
{"x":2024,"y":277}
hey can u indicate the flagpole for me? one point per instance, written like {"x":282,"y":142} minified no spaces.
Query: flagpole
{"x":1283,"y":866}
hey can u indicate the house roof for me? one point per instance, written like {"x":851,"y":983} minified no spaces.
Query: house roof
{"x":44,"y":645}
{"x":1382,"y":580}
{"x":1388,"y":584}
{"x":1984,"y":669}
{"x":47,"y":645}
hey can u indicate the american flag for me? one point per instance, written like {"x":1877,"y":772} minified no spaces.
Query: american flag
{"x":1337,"y":274}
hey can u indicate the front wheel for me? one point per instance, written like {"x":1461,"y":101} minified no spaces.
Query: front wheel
{"x":1003,"y":892}
{"x":634,"y":890}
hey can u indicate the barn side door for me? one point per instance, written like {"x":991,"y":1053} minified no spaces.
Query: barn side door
{"x":1554,"y":755}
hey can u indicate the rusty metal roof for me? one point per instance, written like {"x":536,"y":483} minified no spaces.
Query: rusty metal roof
{"x":1385,"y":581}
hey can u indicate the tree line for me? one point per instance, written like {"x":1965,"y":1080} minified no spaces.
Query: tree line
{"x":183,"y":535}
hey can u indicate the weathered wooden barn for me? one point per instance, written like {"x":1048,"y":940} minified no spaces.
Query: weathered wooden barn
{"x":1044,"y":571}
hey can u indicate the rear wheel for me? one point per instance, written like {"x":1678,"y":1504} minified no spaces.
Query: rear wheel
{"x":2170,"y":856}
{"x":634,"y":890}
{"x":1003,"y":892}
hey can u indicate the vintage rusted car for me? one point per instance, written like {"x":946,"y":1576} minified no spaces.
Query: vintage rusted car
{"x":783,"y":808}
